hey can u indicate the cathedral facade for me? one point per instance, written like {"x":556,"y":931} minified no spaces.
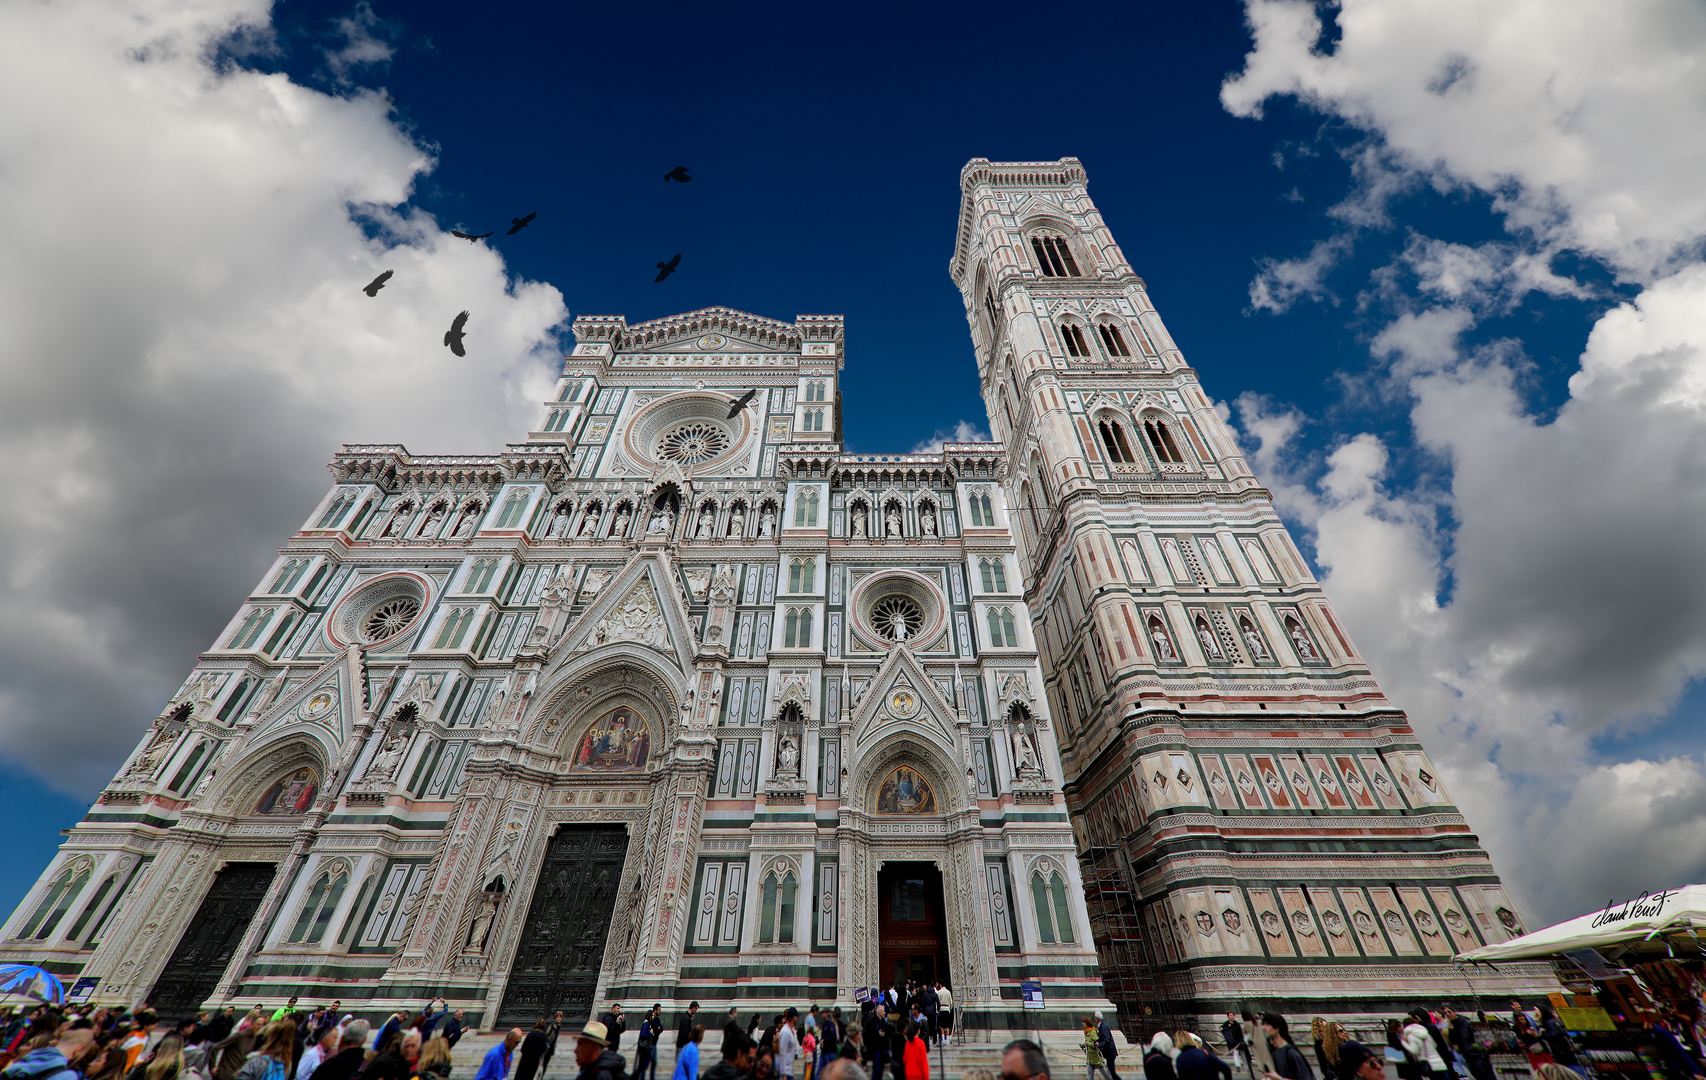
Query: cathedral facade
{"x":674,"y":699}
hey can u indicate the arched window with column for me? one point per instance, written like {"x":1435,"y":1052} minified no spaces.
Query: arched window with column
{"x":1113,"y":341}
{"x":1054,"y":910}
{"x":1054,"y":256}
{"x":1161,"y":440}
{"x":777,"y":896}
{"x":1114,"y":441}
{"x":60,"y":896}
{"x":317,"y":910}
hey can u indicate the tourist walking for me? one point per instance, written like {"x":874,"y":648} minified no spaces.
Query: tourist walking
{"x":945,"y":1012}
{"x":434,"y":1063}
{"x":1023,"y":1059}
{"x":1105,"y":1043}
{"x":595,"y":1052}
{"x":1418,"y":1041}
{"x":684,"y":1030}
{"x":916,"y":1054}
{"x":615,"y":1023}
{"x":646,"y":1056}
{"x":552,"y":1031}
{"x":1195,"y":1062}
{"x":1289,"y":1062}
{"x":272,"y":1060}
{"x":52,"y":1061}
{"x":1158,"y":1059}
{"x":1256,"y":1045}
{"x":1093,"y":1061}
{"x":737,"y":1058}
{"x":533,"y":1048}
{"x":1232,"y":1036}
{"x":687,"y":1054}
{"x":787,"y":1044}
{"x":1460,"y":1034}
{"x":495,"y":1065}
{"x":351,"y":1055}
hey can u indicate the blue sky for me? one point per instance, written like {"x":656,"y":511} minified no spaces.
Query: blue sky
{"x":1459,"y":270}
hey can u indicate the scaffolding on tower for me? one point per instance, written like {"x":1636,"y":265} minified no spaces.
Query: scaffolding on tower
{"x":1130,"y":974}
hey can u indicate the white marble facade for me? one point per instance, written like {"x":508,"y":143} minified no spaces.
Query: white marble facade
{"x":774,"y":666}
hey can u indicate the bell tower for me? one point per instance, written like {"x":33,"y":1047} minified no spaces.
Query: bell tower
{"x":1257,"y":824}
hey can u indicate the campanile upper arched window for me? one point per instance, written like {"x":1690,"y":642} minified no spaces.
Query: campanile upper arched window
{"x":1054,"y":256}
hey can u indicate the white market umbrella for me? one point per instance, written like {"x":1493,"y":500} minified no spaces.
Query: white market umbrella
{"x":1643,"y":919}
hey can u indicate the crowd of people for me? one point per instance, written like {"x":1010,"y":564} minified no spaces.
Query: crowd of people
{"x":287,"y":1043}
{"x":889,"y":1038}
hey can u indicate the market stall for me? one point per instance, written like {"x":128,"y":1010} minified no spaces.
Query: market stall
{"x":1636,"y":1007}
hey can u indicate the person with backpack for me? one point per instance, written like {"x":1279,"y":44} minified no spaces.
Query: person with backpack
{"x":646,"y":1054}
{"x":53,"y":1062}
{"x":272,"y":1060}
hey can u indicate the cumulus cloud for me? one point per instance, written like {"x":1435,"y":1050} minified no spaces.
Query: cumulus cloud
{"x":187,"y":345}
{"x":963,"y":431}
{"x":1545,"y":588}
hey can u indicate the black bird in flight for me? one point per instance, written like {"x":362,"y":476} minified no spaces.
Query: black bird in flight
{"x":470,"y":237}
{"x":516,"y":224}
{"x":678,"y":174}
{"x":453,"y":336}
{"x":666,"y":269}
{"x":740,"y":403}
{"x":372,"y":288}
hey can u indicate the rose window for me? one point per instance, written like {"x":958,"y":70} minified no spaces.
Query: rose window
{"x":390,"y":618}
{"x":693,"y":442}
{"x":897,"y":618}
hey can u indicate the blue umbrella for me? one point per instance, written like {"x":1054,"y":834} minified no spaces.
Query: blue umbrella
{"x":32,"y":981}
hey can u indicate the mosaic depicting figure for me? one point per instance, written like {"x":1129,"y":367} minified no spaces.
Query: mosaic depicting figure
{"x":905,"y":792}
{"x":293,"y":794}
{"x":616,"y":742}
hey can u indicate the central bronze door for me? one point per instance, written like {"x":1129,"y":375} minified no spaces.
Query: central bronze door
{"x":211,"y":939}
{"x":562,"y":945}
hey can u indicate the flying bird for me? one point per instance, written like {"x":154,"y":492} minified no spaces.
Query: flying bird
{"x":668,"y":268}
{"x":453,"y":336}
{"x":470,"y":237}
{"x":516,"y":224}
{"x":372,"y":288}
{"x":678,"y":174}
{"x":740,"y":403}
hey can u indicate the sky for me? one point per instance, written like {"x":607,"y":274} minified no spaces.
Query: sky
{"x":1440,"y":264}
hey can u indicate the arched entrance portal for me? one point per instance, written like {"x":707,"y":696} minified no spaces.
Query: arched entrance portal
{"x":912,"y":925}
{"x":562,"y":943}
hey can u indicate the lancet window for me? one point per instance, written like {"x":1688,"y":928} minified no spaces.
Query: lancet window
{"x":776,"y":909}
{"x":797,"y":628}
{"x":1054,"y":257}
{"x":1115,"y":441}
{"x":1054,"y":913}
{"x":1161,"y":439}
{"x":994,"y":573}
{"x":1002,"y":632}
{"x":1112,"y":340}
{"x":801,"y":573}
{"x":317,"y":911}
{"x":1072,"y":335}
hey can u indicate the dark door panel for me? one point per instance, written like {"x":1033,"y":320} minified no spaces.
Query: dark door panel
{"x":562,"y":943}
{"x":211,"y":939}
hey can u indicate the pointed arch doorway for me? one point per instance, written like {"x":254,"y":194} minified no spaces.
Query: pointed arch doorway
{"x":912,"y":926}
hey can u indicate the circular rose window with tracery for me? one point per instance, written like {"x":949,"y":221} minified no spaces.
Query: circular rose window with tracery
{"x":378,"y":611}
{"x":897,"y":618}
{"x":898,"y":605}
{"x":389,"y":619}
{"x":693,"y":442}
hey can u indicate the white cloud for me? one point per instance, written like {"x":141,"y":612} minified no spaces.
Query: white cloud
{"x":1546,"y":587}
{"x":362,"y":47}
{"x":187,"y":344}
{"x":1583,"y":118}
{"x":964,"y":431}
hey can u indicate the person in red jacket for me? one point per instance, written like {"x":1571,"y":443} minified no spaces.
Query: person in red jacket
{"x":917,"y":1055}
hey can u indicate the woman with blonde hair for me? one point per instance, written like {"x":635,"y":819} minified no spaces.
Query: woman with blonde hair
{"x":435,"y":1059}
{"x":165,"y":1063}
{"x":272,"y":1060}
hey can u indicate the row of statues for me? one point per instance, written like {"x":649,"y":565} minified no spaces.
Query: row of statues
{"x":894,"y":526}
{"x":661,"y":523}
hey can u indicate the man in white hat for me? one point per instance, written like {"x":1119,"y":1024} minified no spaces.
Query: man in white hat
{"x":594,"y":1055}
